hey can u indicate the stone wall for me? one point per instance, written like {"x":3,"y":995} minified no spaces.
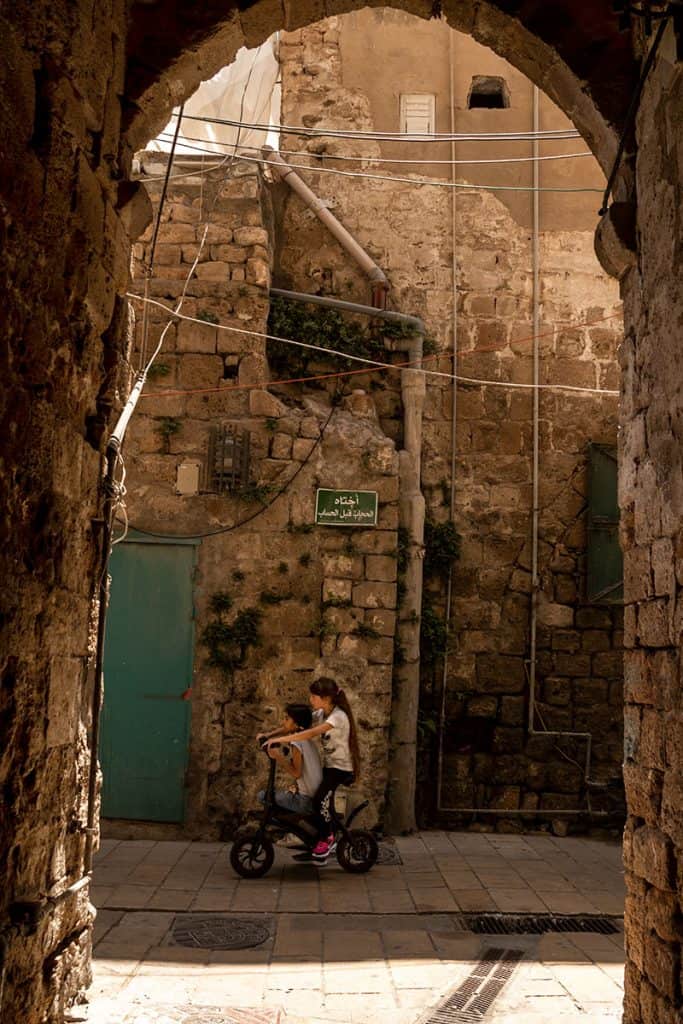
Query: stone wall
{"x":325,"y":596}
{"x":489,"y":759}
{"x":65,"y":222}
{"x":65,"y":226}
{"x":652,"y":504}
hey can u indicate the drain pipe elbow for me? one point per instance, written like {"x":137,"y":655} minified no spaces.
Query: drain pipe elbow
{"x":374,"y":273}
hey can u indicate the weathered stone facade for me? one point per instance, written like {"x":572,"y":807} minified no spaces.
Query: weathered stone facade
{"x":652,"y":507}
{"x":325,"y":596}
{"x":490,"y":760}
{"x":79,"y":92}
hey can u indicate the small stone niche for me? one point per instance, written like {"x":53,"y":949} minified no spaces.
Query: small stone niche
{"x":488,"y":92}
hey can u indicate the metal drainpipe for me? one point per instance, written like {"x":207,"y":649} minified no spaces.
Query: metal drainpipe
{"x":454,"y":424}
{"x":535,"y":417}
{"x":400,"y":816}
{"x":282,"y":170}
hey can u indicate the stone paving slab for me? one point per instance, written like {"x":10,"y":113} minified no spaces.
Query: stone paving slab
{"x":355,"y":949}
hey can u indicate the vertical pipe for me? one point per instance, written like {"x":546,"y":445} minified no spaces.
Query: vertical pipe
{"x":400,"y":812}
{"x":454,"y":415}
{"x":535,"y":413}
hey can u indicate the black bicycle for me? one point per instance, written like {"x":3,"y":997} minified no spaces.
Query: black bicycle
{"x":253,"y":852}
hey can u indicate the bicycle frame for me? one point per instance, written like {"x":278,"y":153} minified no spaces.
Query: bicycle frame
{"x":301,"y":825}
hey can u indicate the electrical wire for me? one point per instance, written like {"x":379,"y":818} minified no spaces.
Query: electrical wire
{"x":254,"y":515}
{"x":351,"y":373}
{"x":149,"y":268}
{"x":367,"y":362}
{"x":629,"y":120}
{"x":284,"y":129}
{"x":365,"y":159}
{"x":432,"y":182}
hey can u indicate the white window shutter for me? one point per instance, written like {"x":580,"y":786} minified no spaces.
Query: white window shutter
{"x":417,"y":113}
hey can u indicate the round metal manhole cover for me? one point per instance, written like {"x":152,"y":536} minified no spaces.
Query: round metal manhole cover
{"x":215,"y":932}
{"x":388,"y":854}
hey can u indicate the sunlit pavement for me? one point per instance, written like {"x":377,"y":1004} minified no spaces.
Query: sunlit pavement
{"x":386,"y":946}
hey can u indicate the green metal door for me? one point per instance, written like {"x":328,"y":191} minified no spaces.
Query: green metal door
{"x":147,"y":667}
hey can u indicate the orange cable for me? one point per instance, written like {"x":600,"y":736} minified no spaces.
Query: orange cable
{"x":349,"y":373}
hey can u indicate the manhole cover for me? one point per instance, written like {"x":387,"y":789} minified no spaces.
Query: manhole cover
{"x":537,"y":924}
{"x":214,"y":932}
{"x":388,"y":854}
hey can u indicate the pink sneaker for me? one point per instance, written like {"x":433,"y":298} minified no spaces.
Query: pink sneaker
{"x":324,"y":848}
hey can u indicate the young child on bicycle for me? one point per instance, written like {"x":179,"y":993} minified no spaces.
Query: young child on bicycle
{"x":302,"y":762}
{"x":334,"y":723}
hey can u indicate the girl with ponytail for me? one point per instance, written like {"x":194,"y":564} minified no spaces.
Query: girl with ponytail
{"x":335,"y":725}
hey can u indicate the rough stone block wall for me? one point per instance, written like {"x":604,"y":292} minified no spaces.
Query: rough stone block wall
{"x":489,"y":760}
{"x":64,"y":258}
{"x":651,"y":508}
{"x":326,"y":596}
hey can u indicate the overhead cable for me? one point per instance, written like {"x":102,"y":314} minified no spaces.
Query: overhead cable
{"x":369,"y":362}
{"x":389,"y":160}
{"x":336,"y":133}
{"x":431,"y":182}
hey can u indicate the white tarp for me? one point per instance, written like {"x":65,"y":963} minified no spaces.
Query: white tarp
{"x":245,"y":90}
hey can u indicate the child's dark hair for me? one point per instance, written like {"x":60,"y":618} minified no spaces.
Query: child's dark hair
{"x":301,"y":714}
{"x":326,"y":687}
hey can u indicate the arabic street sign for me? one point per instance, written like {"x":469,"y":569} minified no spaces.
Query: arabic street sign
{"x":345,"y":508}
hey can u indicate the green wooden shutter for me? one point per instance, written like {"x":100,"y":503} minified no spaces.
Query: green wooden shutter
{"x":605,"y":574}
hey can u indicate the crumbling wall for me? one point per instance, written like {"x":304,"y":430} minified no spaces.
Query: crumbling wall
{"x":325,"y":597}
{"x":489,"y":760}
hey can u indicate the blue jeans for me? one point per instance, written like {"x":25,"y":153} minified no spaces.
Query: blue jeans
{"x":296,"y":802}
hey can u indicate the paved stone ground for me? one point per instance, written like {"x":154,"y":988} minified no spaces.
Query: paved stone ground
{"x":384,"y":946}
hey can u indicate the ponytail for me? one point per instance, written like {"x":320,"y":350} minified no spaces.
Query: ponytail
{"x":326,"y":687}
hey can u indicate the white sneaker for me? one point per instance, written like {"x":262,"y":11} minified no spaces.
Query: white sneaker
{"x":291,"y":841}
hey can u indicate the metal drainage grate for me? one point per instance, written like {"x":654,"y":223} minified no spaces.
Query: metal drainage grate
{"x":211,"y":931}
{"x":536,"y":924}
{"x":474,"y":997}
{"x":388,"y":854}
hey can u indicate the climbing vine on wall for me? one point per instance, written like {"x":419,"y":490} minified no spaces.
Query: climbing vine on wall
{"x":228,"y":642}
{"x":326,"y":328}
{"x":441,"y":549}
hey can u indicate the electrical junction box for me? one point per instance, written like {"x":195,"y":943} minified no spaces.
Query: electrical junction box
{"x":187,"y":477}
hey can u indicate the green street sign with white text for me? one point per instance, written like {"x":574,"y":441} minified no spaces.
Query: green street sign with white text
{"x":345,"y":508}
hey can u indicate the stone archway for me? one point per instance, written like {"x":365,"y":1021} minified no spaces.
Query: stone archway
{"x":86,"y":84}
{"x":564,"y":64}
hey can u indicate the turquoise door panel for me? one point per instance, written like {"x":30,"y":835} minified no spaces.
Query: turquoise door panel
{"x":147,"y":667}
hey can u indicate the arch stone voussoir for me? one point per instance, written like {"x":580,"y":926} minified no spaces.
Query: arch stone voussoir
{"x":174,"y":47}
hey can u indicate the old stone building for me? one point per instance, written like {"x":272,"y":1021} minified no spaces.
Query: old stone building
{"x":85,"y":86}
{"x":515,"y":271}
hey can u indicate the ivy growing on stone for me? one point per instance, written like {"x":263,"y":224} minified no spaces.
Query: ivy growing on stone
{"x":326,"y":328}
{"x":433,"y":635}
{"x":442,"y":547}
{"x":167,"y":427}
{"x":220,"y":602}
{"x":228,"y":643}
